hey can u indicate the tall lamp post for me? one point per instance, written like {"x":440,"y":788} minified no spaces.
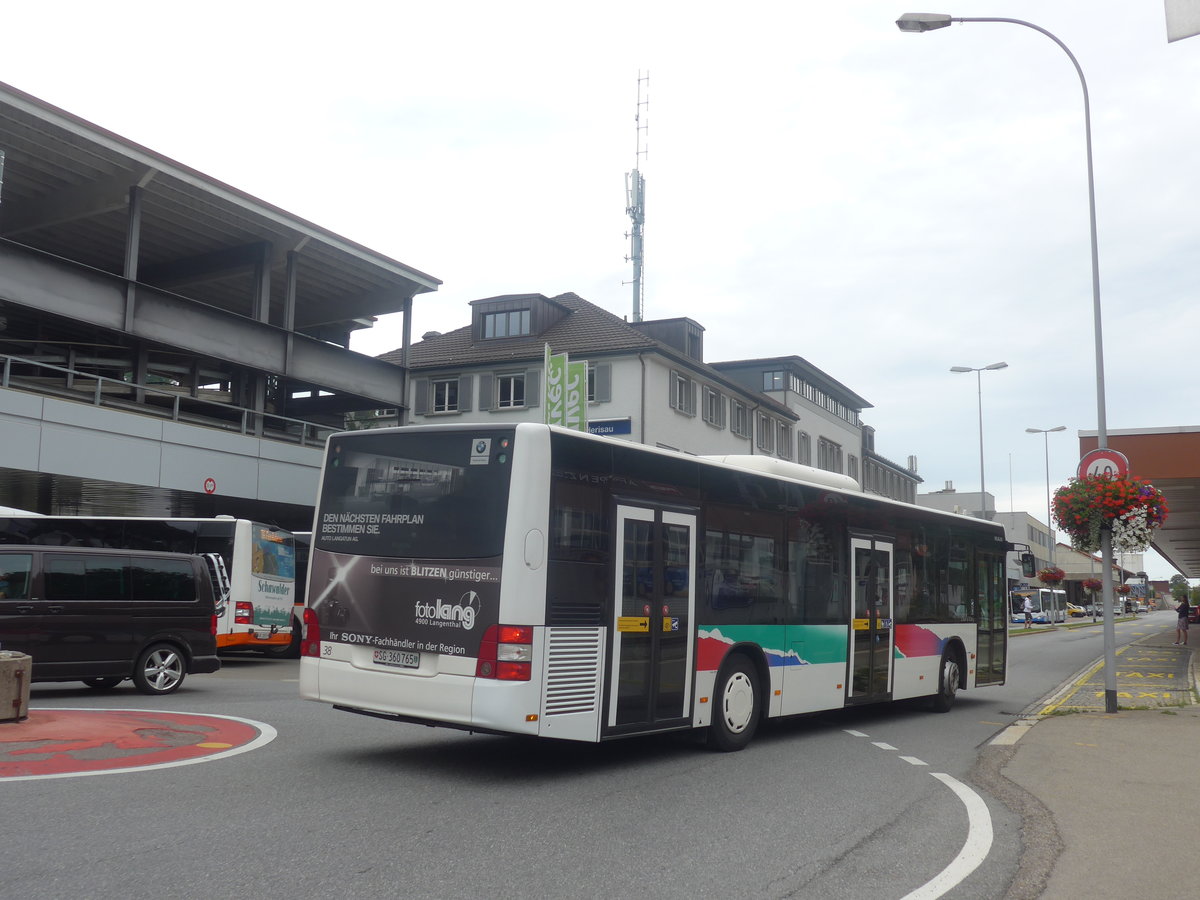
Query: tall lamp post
{"x":918,"y":22}
{"x":979,"y":391}
{"x":1045,"y":433}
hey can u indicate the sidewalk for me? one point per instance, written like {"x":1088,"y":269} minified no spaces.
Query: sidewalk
{"x":1114,"y":795}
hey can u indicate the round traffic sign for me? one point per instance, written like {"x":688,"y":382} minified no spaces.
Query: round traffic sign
{"x":1104,"y":461}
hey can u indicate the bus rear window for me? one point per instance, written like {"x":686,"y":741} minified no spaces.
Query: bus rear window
{"x":403,"y":494}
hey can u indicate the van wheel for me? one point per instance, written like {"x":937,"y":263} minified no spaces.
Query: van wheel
{"x":735,"y":718}
{"x":159,"y":670}
{"x":947,"y":685}
{"x":102,"y":683}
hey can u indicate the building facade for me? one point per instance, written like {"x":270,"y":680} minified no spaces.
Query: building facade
{"x":647,"y":382}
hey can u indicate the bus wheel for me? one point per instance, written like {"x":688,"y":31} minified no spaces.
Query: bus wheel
{"x":102,"y":683}
{"x":292,"y":650}
{"x":947,"y":685}
{"x":735,"y":718}
{"x":159,"y":670}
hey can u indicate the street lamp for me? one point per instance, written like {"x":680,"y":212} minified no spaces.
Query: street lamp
{"x":1045,"y":433}
{"x":979,"y":391}
{"x":917,"y":22}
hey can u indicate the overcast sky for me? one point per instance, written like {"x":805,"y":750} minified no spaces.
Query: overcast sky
{"x":885,"y":205}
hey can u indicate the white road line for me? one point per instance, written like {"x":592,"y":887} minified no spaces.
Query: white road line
{"x":855,"y":733}
{"x":883,"y":746}
{"x":974,"y":850}
{"x":914,"y":761}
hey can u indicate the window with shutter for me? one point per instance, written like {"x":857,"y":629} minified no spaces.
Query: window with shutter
{"x":486,"y":392}
{"x":421,"y":396}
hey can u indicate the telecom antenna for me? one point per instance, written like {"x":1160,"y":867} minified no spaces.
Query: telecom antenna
{"x":635,"y":195}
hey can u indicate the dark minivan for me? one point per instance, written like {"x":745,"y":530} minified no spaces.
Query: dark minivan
{"x":100,"y":616}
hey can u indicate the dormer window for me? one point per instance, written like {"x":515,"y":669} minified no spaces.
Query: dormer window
{"x":511,"y":323}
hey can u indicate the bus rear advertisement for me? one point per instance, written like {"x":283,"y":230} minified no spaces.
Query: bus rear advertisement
{"x":533,"y":580}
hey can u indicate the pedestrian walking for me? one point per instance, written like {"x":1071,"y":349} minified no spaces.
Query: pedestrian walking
{"x":1181,"y":625}
{"x":1028,"y":612}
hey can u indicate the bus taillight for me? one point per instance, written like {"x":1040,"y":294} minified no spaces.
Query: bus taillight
{"x":506,"y":653}
{"x":243,"y":613}
{"x":214,"y":625}
{"x":310,"y":638}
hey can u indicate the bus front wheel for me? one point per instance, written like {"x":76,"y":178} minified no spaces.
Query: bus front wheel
{"x":738,"y":702}
{"x":947,"y":684}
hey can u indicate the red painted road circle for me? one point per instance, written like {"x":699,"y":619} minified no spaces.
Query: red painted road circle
{"x":61,"y":743}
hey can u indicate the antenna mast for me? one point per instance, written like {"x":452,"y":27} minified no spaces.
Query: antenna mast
{"x":635,"y":198}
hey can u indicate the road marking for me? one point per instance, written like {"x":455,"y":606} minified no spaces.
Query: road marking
{"x":1010,"y":735}
{"x":974,"y":850}
{"x":54,"y":744}
{"x":979,"y":831}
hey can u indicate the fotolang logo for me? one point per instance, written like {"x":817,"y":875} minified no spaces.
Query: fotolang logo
{"x":441,"y":614}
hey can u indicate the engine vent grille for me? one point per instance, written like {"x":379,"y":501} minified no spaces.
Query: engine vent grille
{"x":574,"y":664}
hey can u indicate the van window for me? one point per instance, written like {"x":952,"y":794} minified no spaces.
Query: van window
{"x":163,"y":579}
{"x":86,"y":578}
{"x":14,"y":576}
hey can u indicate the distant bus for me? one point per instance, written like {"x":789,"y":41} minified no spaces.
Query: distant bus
{"x":253,"y":565}
{"x":1049,"y":605}
{"x":533,"y":580}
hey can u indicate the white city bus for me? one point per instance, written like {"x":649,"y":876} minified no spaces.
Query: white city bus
{"x":1049,"y":605}
{"x":253,"y":565}
{"x":538,"y":581}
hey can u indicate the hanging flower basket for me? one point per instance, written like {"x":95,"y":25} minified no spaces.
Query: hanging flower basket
{"x":1131,"y":507}
{"x":1092,"y":585}
{"x":1051,"y":576}
{"x":1123,"y":589}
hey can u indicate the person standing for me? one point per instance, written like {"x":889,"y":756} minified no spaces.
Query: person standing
{"x":1028,"y":612}
{"x":1181,"y":626}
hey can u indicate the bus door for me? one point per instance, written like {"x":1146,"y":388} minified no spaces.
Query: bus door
{"x":651,"y":662}
{"x":871,"y":632}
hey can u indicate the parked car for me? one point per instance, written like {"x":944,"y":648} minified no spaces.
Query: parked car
{"x":101,"y":616}
{"x":1193,"y":613}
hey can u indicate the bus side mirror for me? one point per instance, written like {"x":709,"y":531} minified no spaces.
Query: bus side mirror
{"x":1027,"y":565}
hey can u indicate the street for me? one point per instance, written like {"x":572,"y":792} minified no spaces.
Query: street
{"x":339,"y":804}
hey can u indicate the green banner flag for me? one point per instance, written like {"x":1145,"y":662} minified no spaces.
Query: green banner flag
{"x":566,"y":391}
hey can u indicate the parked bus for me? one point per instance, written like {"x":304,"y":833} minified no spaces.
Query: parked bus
{"x":252,"y":565}
{"x":1049,"y":605}
{"x":302,"y":540}
{"x":533,"y":580}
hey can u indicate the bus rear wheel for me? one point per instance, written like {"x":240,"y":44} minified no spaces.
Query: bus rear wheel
{"x":948,"y":681}
{"x":738,"y":704}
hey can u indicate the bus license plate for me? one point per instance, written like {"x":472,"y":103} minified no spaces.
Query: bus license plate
{"x":397,"y":658}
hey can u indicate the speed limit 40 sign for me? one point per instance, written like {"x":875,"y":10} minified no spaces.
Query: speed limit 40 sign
{"x":1104,"y":461}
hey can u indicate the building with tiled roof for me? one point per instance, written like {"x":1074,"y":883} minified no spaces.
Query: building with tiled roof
{"x":647,"y":382}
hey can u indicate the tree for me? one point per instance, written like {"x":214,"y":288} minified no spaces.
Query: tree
{"x":1179,"y":587}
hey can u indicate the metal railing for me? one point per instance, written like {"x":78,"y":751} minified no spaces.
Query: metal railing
{"x":173,"y":403}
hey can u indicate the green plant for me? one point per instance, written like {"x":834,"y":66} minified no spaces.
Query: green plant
{"x":1131,"y":507}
